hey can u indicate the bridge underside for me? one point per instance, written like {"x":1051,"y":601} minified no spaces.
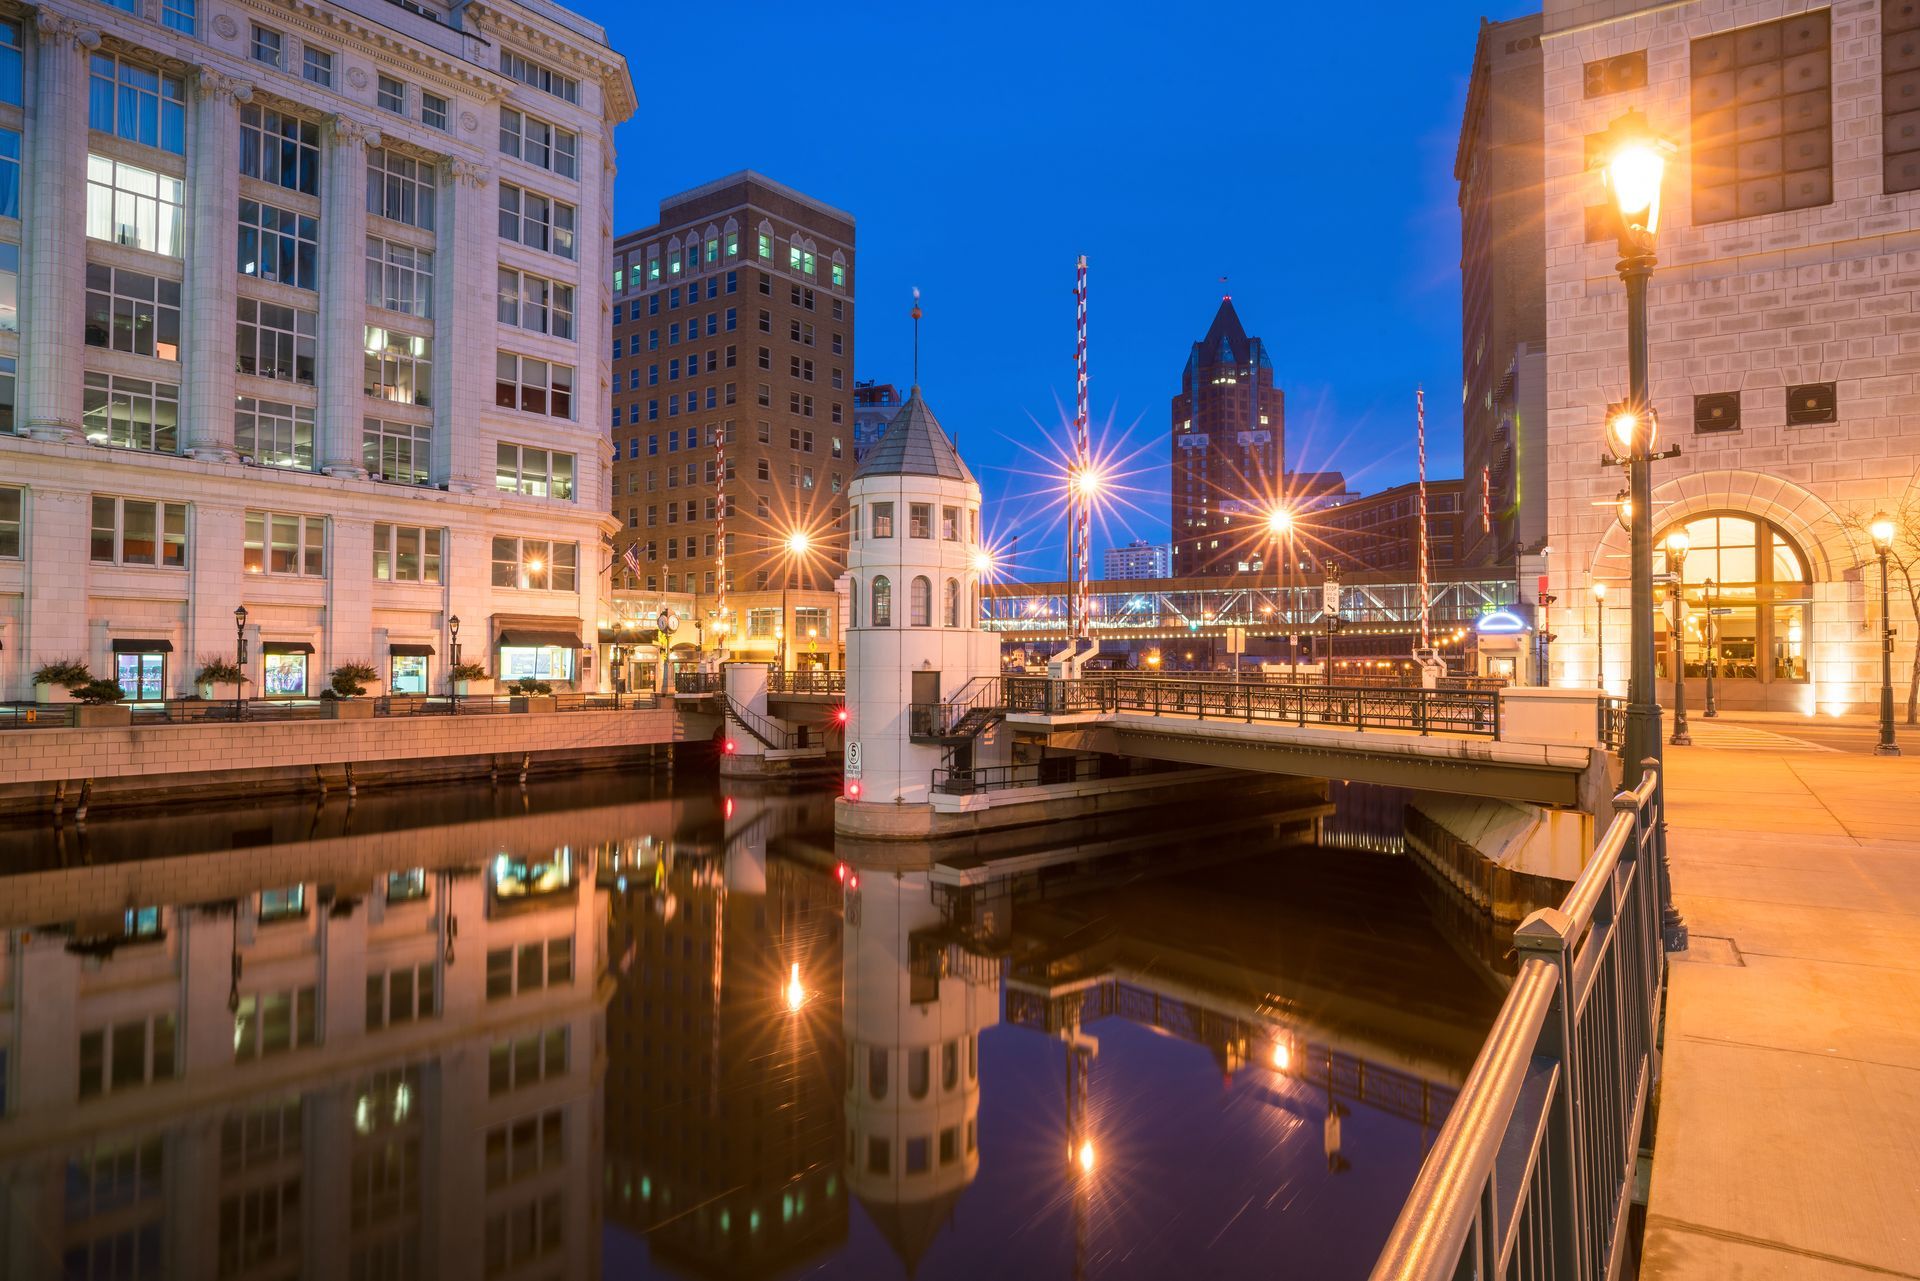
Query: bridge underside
{"x":1460,"y":767}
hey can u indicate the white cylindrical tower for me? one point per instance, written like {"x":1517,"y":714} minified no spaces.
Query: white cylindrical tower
{"x":913,"y":586}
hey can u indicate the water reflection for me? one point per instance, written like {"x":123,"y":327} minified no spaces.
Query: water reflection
{"x":610,"y":1027}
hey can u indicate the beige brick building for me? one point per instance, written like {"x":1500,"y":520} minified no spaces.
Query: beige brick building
{"x":1784,"y":329}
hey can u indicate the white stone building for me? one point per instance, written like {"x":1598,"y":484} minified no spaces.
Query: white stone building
{"x":265,"y":259}
{"x":1784,"y":332}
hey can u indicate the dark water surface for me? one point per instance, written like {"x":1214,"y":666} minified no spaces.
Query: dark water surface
{"x":639,"y":1027}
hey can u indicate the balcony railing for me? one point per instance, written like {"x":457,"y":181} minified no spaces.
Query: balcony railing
{"x":210,"y":711}
{"x":1474,"y":712}
{"x":806,"y":680}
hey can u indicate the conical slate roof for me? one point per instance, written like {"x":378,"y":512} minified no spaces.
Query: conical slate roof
{"x":1226,"y":340}
{"x":914,"y":445}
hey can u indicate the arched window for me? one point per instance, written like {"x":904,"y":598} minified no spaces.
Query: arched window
{"x":920,"y":603}
{"x":953,"y":602}
{"x":949,"y":1065}
{"x":1754,"y":578}
{"x":853,"y":602}
{"x":882,"y":601}
{"x":919,"y":1072}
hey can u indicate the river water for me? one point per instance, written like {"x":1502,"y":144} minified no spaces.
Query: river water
{"x":637,"y":1027}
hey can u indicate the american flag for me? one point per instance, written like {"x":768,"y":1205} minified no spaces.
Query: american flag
{"x":631,"y":559}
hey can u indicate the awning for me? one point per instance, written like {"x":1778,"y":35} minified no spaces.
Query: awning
{"x":287,"y":647}
{"x":410,"y":651}
{"x":540,"y":638}
{"x":628,"y":636}
{"x":143,"y":647}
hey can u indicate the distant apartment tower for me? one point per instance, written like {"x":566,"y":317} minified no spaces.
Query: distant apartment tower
{"x":874,"y":405}
{"x":733,"y":318}
{"x":1501,"y":171}
{"x":1138,"y":559}
{"x":1229,"y":439}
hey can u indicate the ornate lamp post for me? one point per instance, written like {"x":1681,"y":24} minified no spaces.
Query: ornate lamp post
{"x":799,"y":542}
{"x":453,"y":644}
{"x":1280,"y":526}
{"x":1710,"y":597}
{"x":1600,"y":634}
{"x":1634,"y":162}
{"x":1677,"y":545}
{"x":1882,"y":529}
{"x":240,"y":652}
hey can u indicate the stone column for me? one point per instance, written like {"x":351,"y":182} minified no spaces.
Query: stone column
{"x":465,"y":235}
{"x":52,"y":299}
{"x":343,"y":293}
{"x":54,"y":617}
{"x":214,"y":194}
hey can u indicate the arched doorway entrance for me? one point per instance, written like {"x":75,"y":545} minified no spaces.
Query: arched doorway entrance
{"x":1749,"y":597}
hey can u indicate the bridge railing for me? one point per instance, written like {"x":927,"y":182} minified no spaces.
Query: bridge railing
{"x":1612,"y":727}
{"x":953,"y":781}
{"x":1531,"y":1174}
{"x":1474,"y":712}
{"x":806,"y":680}
{"x":228,"y":711}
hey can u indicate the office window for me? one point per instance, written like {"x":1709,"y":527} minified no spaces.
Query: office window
{"x":400,"y":188}
{"x":274,"y":341}
{"x":10,"y":174}
{"x":274,"y":434}
{"x":533,"y":220}
{"x":533,"y":386}
{"x":139,"y":531}
{"x":316,"y":65}
{"x":269,"y":46}
{"x":398,"y":453}
{"x":545,"y":79}
{"x":269,"y":1023}
{"x":882,"y":611}
{"x":279,"y":244}
{"x":277,"y":543}
{"x":178,"y":15}
{"x":531,"y":966}
{"x":526,"y":1061}
{"x":10,"y":523}
{"x":1899,"y":97}
{"x":398,"y":367}
{"x":535,"y":303}
{"x":391,"y":95}
{"x":280,"y":149}
{"x":8,"y":385}
{"x":1762,"y":119}
{"x":399,"y":277}
{"x":530,"y":564}
{"x":133,"y":312}
{"x":433,"y":110}
{"x":539,"y":142}
{"x":131,"y":205}
{"x":537,"y":473}
{"x":137,"y":103}
{"x":132,"y":1053}
{"x":400,"y":996}
{"x":131,"y":413}
{"x":920,"y":520}
{"x":882,"y":520}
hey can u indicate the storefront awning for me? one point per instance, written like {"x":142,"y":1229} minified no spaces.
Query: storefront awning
{"x":539,"y":638}
{"x":287,"y":647}
{"x":628,"y":636}
{"x":410,"y":651}
{"x":143,"y":647}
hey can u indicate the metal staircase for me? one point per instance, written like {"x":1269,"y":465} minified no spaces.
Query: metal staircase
{"x":961,"y":719}
{"x":769,"y":735}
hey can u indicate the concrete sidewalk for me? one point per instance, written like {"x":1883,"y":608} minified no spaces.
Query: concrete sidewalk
{"x":1789,"y":1129}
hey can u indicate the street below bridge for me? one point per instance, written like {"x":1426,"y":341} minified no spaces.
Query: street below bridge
{"x":1789,"y":1112}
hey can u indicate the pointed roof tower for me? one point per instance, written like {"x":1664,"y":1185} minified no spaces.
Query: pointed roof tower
{"x":1226,"y":340}
{"x":914,"y":445}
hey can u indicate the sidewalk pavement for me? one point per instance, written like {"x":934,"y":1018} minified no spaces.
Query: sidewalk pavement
{"x":1789,"y":1110}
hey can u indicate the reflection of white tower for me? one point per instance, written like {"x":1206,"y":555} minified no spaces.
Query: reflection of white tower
{"x":914,"y":633}
{"x":913,"y":1047}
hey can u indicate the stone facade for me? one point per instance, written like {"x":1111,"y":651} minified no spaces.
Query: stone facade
{"x":334,"y":189}
{"x":1823,"y":293}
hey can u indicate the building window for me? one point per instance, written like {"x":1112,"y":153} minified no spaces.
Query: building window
{"x":131,"y":413}
{"x":138,"y":531}
{"x":433,"y":110}
{"x":133,"y":312}
{"x":536,"y":221}
{"x":275,"y":341}
{"x":882,"y":520}
{"x":137,"y":103}
{"x":130,"y":1054}
{"x":391,"y":95}
{"x":533,"y":386}
{"x":11,"y":63}
{"x":524,"y":1148}
{"x":400,"y":188}
{"x":952,"y":602}
{"x":130,"y":205}
{"x":1762,"y":119}
{"x":920,"y":520}
{"x":526,"y":1061}
{"x":269,"y":46}
{"x":537,"y":473}
{"x":1810,"y":404}
{"x":1763,"y":592}
{"x":535,"y":303}
{"x":269,"y":1023}
{"x":10,"y":174}
{"x":406,"y":554}
{"x":397,"y":367}
{"x":529,"y":968}
{"x":279,"y":244}
{"x":277,"y":543}
{"x":10,"y":523}
{"x":280,"y":149}
{"x":839,"y":275}
{"x":400,"y":996}
{"x":398,"y":453}
{"x":545,"y":79}
{"x":882,"y":611}
{"x":273,"y":434}
{"x":920,"y":603}
{"x":529,"y":564}
{"x":316,"y":65}
{"x":949,"y":523}
{"x":539,"y":142}
{"x":399,"y":277}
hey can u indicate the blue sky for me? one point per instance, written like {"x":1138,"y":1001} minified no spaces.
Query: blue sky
{"x":1305,"y":155}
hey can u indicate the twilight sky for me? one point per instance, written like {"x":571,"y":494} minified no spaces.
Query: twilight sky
{"x":981,"y":147}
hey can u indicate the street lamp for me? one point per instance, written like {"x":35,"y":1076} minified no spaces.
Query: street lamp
{"x":1280,"y":526}
{"x":1882,"y":530}
{"x":798,"y":543}
{"x":1634,"y":163}
{"x":1710,"y":597}
{"x":1677,"y":545}
{"x":240,"y":635}
{"x":453,"y":645}
{"x":1600,"y":634}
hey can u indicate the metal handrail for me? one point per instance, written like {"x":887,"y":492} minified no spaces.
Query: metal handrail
{"x":966,"y":781}
{"x":1611,"y":727}
{"x":1474,"y":712}
{"x":228,"y":711}
{"x":937,"y":720}
{"x":804,"y":680}
{"x":1531,"y":1174}
{"x":770,"y":734}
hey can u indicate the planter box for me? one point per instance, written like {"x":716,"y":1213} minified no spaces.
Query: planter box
{"x":531,"y":703}
{"x":102,"y":716}
{"x":348,"y":709}
{"x":482,"y":686}
{"x":44,"y":694}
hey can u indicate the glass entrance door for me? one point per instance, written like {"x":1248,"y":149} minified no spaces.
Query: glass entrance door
{"x":142,"y":676}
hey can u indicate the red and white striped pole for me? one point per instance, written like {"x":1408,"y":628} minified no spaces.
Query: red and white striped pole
{"x":1420,"y":409}
{"x":720,"y":526}
{"x":1080,"y":496}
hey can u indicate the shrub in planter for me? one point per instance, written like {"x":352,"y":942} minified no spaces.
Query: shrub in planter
{"x":529,"y":686}
{"x":531,"y":695}
{"x":100,"y":705}
{"x":465,"y":674}
{"x":54,"y":680}
{"x":214,"y":671}
{"x":94,"y":693}
{"x":350,"y":680}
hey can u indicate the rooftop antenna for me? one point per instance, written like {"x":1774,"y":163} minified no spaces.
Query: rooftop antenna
{"x":916,"y":338}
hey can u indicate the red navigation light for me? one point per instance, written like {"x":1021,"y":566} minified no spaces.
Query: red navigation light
{"x":853,"y":882}
{"x":726,"y":805}
{"x":842,"y":715}
{"x":853,"y":789}
{"x":840,"y":872}
{"x":728,"y":747}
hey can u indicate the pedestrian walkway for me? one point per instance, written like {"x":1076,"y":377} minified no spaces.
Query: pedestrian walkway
{"x":1789,"y":1122}
{"x":1731,"y":736}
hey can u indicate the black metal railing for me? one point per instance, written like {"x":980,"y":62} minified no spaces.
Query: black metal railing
{"x":958,"y":781}
{"x":771,"y":734}
{"x":1474,"y":712}
{"x":1612,"y":727}
{"x":804,"y":680}
{"x":979,"y":698}
{"x":1532,"y":1173}
{"x":691,"y":680}
{"x":212,"y":711}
